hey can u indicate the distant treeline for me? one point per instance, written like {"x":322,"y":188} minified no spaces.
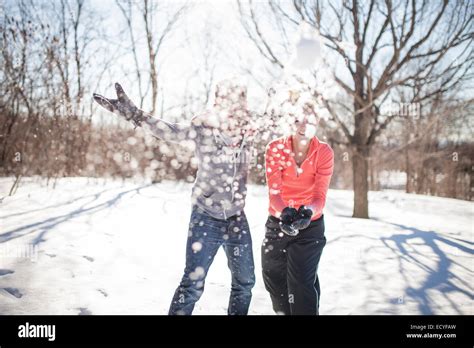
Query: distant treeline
{"x":59,"y":147}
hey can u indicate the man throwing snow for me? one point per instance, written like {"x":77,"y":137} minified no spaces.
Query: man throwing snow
{"x":222,"y":146}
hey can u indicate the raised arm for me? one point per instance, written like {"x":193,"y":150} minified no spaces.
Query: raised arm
{"x":173,"y":132}
{"x":124,"y":107}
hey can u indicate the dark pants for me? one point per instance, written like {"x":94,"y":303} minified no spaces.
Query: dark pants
{"x":206,"y":236}
{"x":290,"y":265}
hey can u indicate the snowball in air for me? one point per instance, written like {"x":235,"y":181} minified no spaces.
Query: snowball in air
{"x":307,"y":47}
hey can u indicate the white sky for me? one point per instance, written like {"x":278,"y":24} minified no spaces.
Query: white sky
{"x":180,"y":62}
{"x":209,"y":27}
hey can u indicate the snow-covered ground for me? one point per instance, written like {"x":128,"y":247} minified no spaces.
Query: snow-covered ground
{"x":91,"y":246}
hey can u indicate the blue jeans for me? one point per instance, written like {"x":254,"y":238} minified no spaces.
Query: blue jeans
{"x":206,"y":236}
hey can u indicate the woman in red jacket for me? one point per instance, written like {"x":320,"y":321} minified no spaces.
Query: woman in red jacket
{"x":298,"y":171}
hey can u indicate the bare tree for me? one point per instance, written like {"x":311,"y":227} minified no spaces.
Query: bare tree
{"x":155,"y":37}
{"x":387,"y":46}
{"x":127,"y":8}
{"x":47,"y":60}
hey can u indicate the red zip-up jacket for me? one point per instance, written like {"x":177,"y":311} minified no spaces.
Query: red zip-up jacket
{"x":306,"y":185}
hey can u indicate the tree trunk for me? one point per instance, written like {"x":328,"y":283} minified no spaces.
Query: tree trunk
{"x":360,"y":174}
{"x":373,"y":181}
{"x":408,"y":188}
{"x":154,"y":84}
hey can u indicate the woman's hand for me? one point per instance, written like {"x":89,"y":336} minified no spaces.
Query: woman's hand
{"x":303,"y":218}
{"x":121,"y":106}
{"x":287,"y":217}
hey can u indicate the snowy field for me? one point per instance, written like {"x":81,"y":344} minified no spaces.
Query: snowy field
{"x":91,"y":246}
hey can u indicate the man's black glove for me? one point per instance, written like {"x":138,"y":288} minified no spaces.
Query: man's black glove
{"x":302,"y":219}
{"x":122,"y":106}
{"x":287,"y":217}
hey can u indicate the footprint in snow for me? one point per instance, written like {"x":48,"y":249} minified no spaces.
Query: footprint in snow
{"x":102,"y":291}
{"x":14,"y":292}
{"x":84,"y":311}
{"x":6,"y":271}
{"x":88,"y":258}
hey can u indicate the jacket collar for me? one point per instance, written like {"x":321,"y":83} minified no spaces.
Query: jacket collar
{"x":313,"y":146}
